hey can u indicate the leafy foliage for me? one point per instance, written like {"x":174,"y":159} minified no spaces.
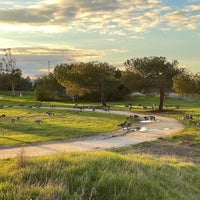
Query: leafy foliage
{"x":187,"y":84}
{"x":93,"y":80}
{"x":47,"y":89}
{"x":151,"y":74}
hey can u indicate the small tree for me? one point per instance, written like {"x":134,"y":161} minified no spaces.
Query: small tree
{"x":8,"y":66}
{"x":151,"y":74}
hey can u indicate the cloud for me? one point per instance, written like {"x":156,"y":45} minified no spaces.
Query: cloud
{"x":60,"y":53}
{"x":193,"y":8}
{"x":113,"y":17}
{"x":57,"y":51}
{"x":183,"y":20}
{"x":34,"y":60}
{"x":84,"y":14}
{"x":46,"y":70}
{"x":137,"y":37}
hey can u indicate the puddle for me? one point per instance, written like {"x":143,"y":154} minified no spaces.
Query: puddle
{"x":166,"y":128}
{"x":148,"y":121}
{"x":143,"y":129}
{"x":153,"y":129}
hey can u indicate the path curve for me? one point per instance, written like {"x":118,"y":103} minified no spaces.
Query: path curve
{"x":150,"y":131}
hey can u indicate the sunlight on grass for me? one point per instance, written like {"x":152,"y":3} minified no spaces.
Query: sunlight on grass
{"x":99,"y":175}
{"x":63,"y":125}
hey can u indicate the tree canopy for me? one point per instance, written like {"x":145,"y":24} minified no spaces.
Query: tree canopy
{"x":47,"y":88}
{"x":90,"y":79}
{"x":151,"y":75}
{"x":187,"y":84}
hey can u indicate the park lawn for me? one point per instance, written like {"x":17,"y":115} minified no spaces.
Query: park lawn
{"x":28,"y":99}
{"x":99,"y":175}
{"x":63,"y":125}
{"x":164,"y":169}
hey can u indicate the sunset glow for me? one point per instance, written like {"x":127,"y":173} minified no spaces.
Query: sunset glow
{"x":110,"y":31}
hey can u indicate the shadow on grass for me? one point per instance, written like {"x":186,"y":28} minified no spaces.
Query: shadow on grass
{"x":17,"y":141}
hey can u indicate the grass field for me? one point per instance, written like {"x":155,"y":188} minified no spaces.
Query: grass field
{"x":166,"y":169}
{"x":63,"y":125}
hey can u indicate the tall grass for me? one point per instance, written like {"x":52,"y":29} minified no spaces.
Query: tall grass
{"x":99,"y":175}
{"x":94,"y":175}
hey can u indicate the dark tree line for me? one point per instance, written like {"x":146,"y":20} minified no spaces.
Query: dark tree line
{"x":99,"y":81}
{"x":20,"y":84}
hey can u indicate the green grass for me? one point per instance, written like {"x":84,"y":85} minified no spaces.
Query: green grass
{"x":99,"y":175}
{"x":64,"y":125}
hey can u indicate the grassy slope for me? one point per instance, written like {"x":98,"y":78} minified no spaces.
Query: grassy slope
{"x":99,"y":175}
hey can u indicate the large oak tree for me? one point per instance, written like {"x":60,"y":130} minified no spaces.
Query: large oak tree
{"x":151,"y":75}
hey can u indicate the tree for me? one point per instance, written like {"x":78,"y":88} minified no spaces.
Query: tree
{"x":68,"y":76}
{"x":8,"y":66}
{"x":151,"y":75}
{"x":92,"y":79}
{"x":187,"y":84}
{"x":24,"y":84}
{"x":96,"y":76}
{"x":47,"y":88}
{"x":21,"y":83}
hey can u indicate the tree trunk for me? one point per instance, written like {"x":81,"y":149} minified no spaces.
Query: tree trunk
{"x":13,"y":88}
{"x":103,"y":98}
{"x":162,"y":96}
{"x":102,"y":93}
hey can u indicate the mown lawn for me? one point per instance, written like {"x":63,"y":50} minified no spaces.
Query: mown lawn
{"x":63,"y":125}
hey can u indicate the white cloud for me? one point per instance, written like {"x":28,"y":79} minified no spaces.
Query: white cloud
{"x":193,"y":8}
{"x":64,"y":51}
{"x":113,"y":17}
{"x":183,"y":20}
{"x":137,"y":37}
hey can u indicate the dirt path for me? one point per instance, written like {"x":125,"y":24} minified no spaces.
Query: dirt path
{"x":150,"y":131}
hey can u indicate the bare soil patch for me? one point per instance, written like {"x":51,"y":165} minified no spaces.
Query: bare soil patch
{"x":184,"y":149}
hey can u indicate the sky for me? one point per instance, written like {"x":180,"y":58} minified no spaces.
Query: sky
{"x":44,"y":33}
